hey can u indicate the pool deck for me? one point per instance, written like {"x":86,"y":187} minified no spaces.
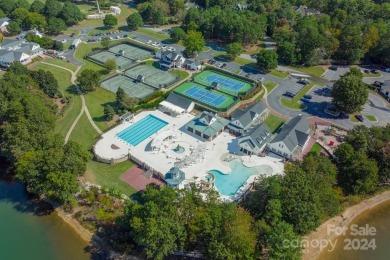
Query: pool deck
{"x":159,"y":160}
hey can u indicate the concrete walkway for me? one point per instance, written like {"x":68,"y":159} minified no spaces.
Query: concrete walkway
{"x":84,"y":108}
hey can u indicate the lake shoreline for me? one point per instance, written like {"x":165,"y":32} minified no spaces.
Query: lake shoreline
{"x":343,"y":220}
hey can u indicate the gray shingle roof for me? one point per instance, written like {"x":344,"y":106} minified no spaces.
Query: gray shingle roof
{"x":5,"y":19}
{"x":258,"y":136}
{"x":246,"y":115}
{"x":209,"y":130}
{"x":295,"y":132}
{"x":179,"y":101}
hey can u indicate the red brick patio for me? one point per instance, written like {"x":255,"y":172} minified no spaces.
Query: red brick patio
{"x":135,"y":177}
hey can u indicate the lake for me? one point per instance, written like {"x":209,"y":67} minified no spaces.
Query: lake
{"x":32,"y":231}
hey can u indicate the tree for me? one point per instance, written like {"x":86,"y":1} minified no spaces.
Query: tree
{"x":178,"y":34}
{"x":37,"y":7}
{"x":19,"y":15}
{"x":55,"y":25}
{"x":46,"y":81}
{"x":110,"y":64}
{"x":134,"y":21}
{"x":286,"y":53}
{"x":105,"y":42}
{"x":283,"y":243}
{"x":14,"y":28}
{"x":267,"y":59}
{"x":71,"y":13}
{"x":35,"y":21}
{"x":52,"y":8}
{"x":88,"y":80}
{"x":120,"y":94}
{"x":233,"y":50}
{"x":110,"y":20}
{"x":349,"y":94}
{"x":18,"y":68}
{"x":109,"y":112}
{"x":193,"y":43}
{"x":61,"y":186}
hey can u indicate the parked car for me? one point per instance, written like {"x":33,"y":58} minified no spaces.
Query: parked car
{"x":387,"y":69}
{"x":63,"y":41}
{"x":289,"y":94}
{"x":305,"y":100}
{"x":374,"y":71}
{"x":149,"y":42}
{"x":261,"y":79}
{"x":72,"y":35}
{"x":308,"y":96}
{"x":367,"y":71}
{"x":223,"y":65}
{"x":360,"y":118}
{"x":125,"y":36}
{"x":303,"y":81}
{"x":333,"y":67}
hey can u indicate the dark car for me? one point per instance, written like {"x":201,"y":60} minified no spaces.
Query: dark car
{"x":73,"y":34}
{"x":289,"y":94}
{"x":360,"y":118}
{"x":303,"y":81}
{"x":308,"y":96}
{"x":367,"y":71}
{"x":305,"y":100}
{"x":223,"y":66}
{"x":374,"y":71}
{"x":333,"y":67}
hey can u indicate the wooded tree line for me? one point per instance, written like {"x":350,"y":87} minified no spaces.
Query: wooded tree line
{"x":51,"y":16}
{"x":27,"y":137}
{"x":346,"y":31}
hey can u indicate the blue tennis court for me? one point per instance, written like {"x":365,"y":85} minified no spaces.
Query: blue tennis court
{"x":205,"y":96}
{"x":225,"y":82}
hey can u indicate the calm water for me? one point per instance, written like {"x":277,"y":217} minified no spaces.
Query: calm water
{"x":30,"y":233}
{"x":378,"y":217}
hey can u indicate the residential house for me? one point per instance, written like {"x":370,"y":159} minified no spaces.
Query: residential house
{"x":170,"y":59}
{"x":18,"y":51}
{"x":175,"y":105}
{"x":241,"y":7}
{"x":191,"y":64}
{"x":385,"y":89}
{"x":242,"y":120}
{"x":292,"y":138}
{"x":33,"y":32}
{"x":3,"y":24}
{"x":207,"y":125}
{"x":304,"y":11}
{"x":254,"y":141}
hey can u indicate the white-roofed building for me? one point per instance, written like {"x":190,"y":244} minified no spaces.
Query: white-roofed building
{"x":175,"y":105}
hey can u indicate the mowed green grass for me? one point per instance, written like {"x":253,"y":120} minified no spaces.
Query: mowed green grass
{"x":314,"y":70}
{"x":316,"y":148}
{"x":279,"y":74}
{"x":270,"y":85}
{"x":63,"y":77}
{"x":95,"y":101}
{"x":295,"y":102}
{"x":371,"y":118}
{"x":274,"y":122}
{"x":68,"y":116}
{"x":154,"y":34}
{"x":90,"y":9}
{"x":61,"y":63}
{"x":84,"y":133}
{"x":109,"y":175}
{"x":82,"y":50}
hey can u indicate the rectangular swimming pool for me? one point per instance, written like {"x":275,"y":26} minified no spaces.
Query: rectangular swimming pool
{"x":139,"y":131}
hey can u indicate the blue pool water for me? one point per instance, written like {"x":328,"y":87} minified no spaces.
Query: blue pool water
{"x":141,"y":130}
{"x":228,"y":184}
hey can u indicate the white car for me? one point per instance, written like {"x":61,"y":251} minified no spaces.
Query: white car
{"x":63,"y":41}
{"x":171,"y":49}
{"x":149,"y":42}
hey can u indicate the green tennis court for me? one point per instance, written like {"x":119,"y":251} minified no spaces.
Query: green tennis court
{"x":132,"y":87}
{"x":226,"y":83}
{"x":131,"y":52}
{"x":152,"y":76}
{"x":200,"y":94}
{"x":121,"y":62}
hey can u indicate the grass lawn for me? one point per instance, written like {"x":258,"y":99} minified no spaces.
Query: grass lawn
{"x":62,"y":76}
{"x":294,"y":103}
{"x":353,"y":119}
{"x":279,"y":74}
{"x":274,"y":122}
{"x":242,"y":61}
{"x":89,"y":9}
{"x":260,"y":96}
{"x":66,"y":119}
{"x":152,"y":63}
{"x":371,"y":75}
{"x":371,"y":118}
{"x":314,"y":70}
{"x":154,"y":34}
{"x":61,"y":63}
{"x":82,"y":50}
{"x":270,"y":85}
{"x":108,"y":175}
{"x":96,"y":100}
{"x":69,"y":31}
{"x":84,"y":133}
{"x":181,"y":73}
{"x":316,"y":148}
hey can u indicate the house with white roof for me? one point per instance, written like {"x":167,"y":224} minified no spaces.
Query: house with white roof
{"x":170,"y":59}
{"x":3,"y":24}
{"x":175,"y":105}
{"x":18,"y":51}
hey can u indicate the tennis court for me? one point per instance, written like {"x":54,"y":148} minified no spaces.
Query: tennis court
{"x":226,"y":83}
{"x":131,"y":52}
{"x":132,"y":87}
{"x":152,"y":76}
{"x":121,"y":62}
{"x":200,"y":94}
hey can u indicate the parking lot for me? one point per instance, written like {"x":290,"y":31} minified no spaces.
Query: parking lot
{"x":334,"y":75}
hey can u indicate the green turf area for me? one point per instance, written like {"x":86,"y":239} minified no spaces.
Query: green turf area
{"x":270,"y":85}
{"x":316,"y":148}
{"x":201,"y":79}
{"x":125,"y":12}
{"x":314,"y":70}
{"x":84,"y":133}
{"x":371,"y":75}
{"x":242,"y":61}
{"x":108,"y":175}
{"x":181,"y":73}
{"x":295,"y":102}
{"x":154,"y":34}
{"x":82,"y":50}
{"x":371,"y":118}
{"x":185,"y":86}
{"x":274,"y":122}
{"x":62,"y":76}
{"x":61,"y":63}
{"x":152,"y":63}
{"x":67,"y":117}
{"x":353,"y":119}
{"x":279,"y":74}
{"x":69,"y":31}
{"x":96,"y":100}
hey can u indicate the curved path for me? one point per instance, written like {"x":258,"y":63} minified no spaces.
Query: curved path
{"x":84,"y":108}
